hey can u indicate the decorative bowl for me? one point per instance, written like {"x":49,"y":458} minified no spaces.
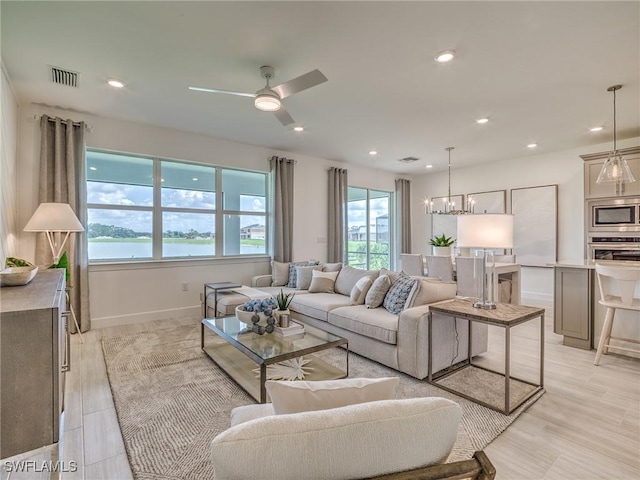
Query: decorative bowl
{"x":245,"y":317}
{"x":15,"y":276}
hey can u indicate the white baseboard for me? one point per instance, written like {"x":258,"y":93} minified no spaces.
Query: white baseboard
{"x":143,"y":317}
{"x":540,"y":297}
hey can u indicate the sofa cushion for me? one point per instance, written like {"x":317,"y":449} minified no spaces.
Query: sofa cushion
{"x":375,"y":295}
{"x":376,"y":323}
{"x":304,"y":276}
{"x":356,"y":441}
{"x":323,"y":282}
{"x":432,"y":291}
{"x":359,"y":291}
{"x":276,"y":290}
{"x":292,"y":271}
{"x":295,"y":397}
{"x":280,"y":273}
{"x":348,"y":277}
{"x":332,"y":267}
{"x":396,"y":297}
{"x":318,"y":305}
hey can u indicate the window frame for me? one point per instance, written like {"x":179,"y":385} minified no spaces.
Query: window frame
{"x":157,"y":210}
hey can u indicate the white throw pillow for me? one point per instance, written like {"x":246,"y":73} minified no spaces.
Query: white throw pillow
{"x":279,"y":273}
{"x":323,"y":282}
{"x":359,"y":291}
{"x":375,"y":295}
{"x":295,"y":397}
{"x":332,"y":267}
{"x":304,"y":275}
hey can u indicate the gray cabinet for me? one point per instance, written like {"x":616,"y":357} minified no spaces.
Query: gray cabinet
{"x":34,"y":351}
{"x":573,"y":306}
{"x":593,"y":165}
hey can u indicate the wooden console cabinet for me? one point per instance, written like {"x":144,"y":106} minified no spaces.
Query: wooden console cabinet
{"x":34,"y":353}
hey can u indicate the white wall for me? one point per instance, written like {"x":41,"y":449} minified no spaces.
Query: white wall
{"x":8,"y":156}
{"x":146,"y":291}
{"x":564,"y":168}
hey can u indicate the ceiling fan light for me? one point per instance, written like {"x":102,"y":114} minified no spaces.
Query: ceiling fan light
{"x":267,"y":101}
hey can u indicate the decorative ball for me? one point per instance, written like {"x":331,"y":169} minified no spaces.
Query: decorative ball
{"x":269,"y":328}
{"x":255,"y":318}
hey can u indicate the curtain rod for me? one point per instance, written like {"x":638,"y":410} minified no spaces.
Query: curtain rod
{"x":75,"y":124}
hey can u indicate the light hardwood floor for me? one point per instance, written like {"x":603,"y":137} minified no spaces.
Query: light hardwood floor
{"x":586,"y":426}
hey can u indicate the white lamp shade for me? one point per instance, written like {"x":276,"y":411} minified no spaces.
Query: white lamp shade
{"x":485,"y":231}
{"x":54,"y":217}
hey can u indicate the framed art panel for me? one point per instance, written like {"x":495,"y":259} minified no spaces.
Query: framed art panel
{"x":535,"y":227}
{"x":487,"y":202}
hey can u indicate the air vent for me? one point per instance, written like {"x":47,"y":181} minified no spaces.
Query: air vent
{"x":64,"y":77}
{"x":409,"y":159}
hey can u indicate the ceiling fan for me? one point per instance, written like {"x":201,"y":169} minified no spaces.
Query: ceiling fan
{"x":269,"y":99}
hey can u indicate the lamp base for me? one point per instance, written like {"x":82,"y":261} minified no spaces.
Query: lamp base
{"x":484,"y":305}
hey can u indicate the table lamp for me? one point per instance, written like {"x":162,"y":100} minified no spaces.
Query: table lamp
{"x":52,"y":218}
{"x":485,"y":232}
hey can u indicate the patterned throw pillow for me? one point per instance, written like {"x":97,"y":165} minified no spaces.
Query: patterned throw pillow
{"x":293,"y":278}
{"x":375,"y":295}
{"x":397,"y":295}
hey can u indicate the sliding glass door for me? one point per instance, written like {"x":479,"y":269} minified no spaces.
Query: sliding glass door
{"x":368,"y":228}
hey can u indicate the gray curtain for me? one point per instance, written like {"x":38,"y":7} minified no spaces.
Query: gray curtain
{"x":337,"y":215}
{"x":403,"y":202}
{"x":282,"y":228}
{"x":63,"y":180}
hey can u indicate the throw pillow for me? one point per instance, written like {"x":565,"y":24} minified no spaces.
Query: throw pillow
{"x":349,"y":276}
{"x":398,"y":293}
{"x":392,"y":275}
{"x":432,"y":291}
{"x":359,"y":291}
{"x":322,"y":282}
{"x":332,"y":267}
{"x":300,"y":396}
{"x":375,"y":295}
{"x":279,"y":273}
{"x":292,"y":271}
{"x":304,"y":275}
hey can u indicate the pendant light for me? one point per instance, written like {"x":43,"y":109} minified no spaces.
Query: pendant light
{"x":448,"y":208}
{"x":615,"y":169}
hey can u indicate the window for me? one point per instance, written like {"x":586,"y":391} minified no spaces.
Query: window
{"x":142,"y":208}
{"x":368,"y":234}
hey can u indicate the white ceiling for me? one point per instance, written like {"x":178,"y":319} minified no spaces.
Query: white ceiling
{"x":539,"y":70}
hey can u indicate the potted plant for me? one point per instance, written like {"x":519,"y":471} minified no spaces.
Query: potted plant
{"x":283,"y":300}
{"x":442,"y":245}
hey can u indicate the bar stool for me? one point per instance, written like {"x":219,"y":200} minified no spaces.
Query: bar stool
{"x":617,"y":286}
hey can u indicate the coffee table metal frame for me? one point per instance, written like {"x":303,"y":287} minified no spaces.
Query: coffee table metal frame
{"x":216,"y":287}
{"x":505,"y":316}
{"x":213,"y":325}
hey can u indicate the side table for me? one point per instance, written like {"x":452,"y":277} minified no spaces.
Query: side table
{"x":216,"y":287}
{"x":505,"y":316}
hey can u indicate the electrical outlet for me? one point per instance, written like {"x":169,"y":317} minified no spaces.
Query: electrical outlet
{"x":185,"y":287}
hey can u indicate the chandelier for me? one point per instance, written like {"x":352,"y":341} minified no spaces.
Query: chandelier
{"x":448,"y":205}
{"x":615,"y":169}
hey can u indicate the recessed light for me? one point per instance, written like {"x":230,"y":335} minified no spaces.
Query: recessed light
{"x":115,"y":83}
{"x":482,"y":120}
{"x":429,"y":166}
{"x":596,"y":129}
{"x":445,"y":56}
{"x":373,"y":152}
{"x":195,"y":179}
{"x":299,"y":129}
{"x":93,"y":168}
{"x":532,"y":145}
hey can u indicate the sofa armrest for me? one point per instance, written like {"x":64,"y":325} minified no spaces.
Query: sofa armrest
{"x":261,"y":281}
{"x":413,"y":341}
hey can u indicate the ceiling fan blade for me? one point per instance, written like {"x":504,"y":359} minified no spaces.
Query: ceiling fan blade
{"x":308,"y":80}
{"x":283,"y":116}
{"x":215,"y":90}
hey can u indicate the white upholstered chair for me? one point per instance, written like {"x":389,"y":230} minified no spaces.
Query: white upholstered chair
{"x":440,"y":266}
{"x":469,"y":276}
{"x":412,"y":264}
{"x":617,"y":286}
{"x":504,"y":258}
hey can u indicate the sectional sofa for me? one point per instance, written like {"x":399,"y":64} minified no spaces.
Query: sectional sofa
{"x":397,"y":340}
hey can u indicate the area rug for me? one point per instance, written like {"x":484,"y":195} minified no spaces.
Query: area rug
{"x":172,"y":400}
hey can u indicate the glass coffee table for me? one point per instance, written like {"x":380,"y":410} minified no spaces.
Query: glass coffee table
{"x":241,"y":352}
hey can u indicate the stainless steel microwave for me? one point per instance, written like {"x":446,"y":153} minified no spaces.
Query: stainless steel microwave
{"x":619,"y":215}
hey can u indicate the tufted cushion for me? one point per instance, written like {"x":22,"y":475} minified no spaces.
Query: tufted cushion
{"x":322,"y":282}
{"x":375,"y":295}
{"x":296,"y":397}
{"x":396,"y":297}
{"x":356,"y":441}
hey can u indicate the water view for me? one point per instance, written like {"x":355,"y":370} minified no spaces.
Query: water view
{"x":135,"y":248}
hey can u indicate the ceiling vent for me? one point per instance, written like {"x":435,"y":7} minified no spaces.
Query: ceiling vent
{"x":64,"y":77}
{"x":409,"y":159}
